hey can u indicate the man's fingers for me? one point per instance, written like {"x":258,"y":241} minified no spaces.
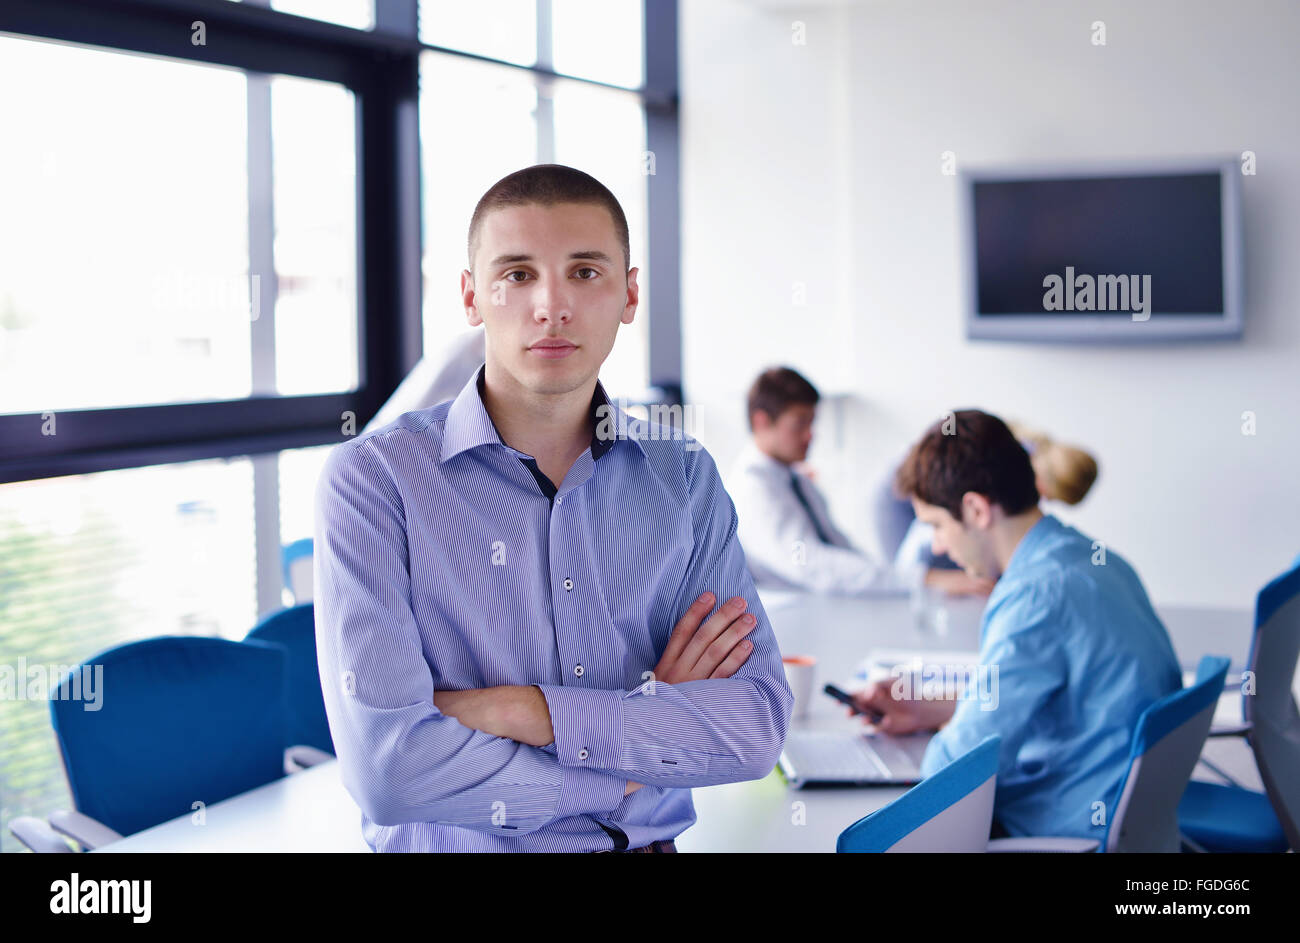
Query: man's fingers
{"x":685,"y":628}
{"x":714,"y":626}
{"x":721,"y":647}
{"x":868,"y":698}
{"x":731,"y":664}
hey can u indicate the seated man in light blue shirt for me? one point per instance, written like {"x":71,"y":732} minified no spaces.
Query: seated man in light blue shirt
{"x":1071,"y":651}
{"x":512,"y":587}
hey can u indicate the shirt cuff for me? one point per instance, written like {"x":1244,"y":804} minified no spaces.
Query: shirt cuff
{"x":583,"y":791}
{"x":588,"y":725}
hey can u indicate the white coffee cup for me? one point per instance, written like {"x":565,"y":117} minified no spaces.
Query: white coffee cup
{"x":800,"y":672}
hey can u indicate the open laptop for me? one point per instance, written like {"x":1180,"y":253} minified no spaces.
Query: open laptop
{"x":842,"y":758}
{"x":849,"y":758}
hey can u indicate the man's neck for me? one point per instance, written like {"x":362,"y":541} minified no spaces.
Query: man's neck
{"x":549,"y":427}
{"x":763,"y":451}
{"x":1010,"y":531}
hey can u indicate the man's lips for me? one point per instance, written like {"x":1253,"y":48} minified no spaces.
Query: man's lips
{"x":553,"y":348}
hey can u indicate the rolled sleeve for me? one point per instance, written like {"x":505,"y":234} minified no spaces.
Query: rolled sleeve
{"x":585,"y":790}
{"x":588,"y":725}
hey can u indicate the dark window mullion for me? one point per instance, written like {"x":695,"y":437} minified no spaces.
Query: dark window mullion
{"x":662,"y":204}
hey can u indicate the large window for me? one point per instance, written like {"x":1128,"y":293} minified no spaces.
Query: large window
{"x":482,"y":120}
{"x":218,"y":259}
{"x":92,"y":561}
{"x":126,"y":275}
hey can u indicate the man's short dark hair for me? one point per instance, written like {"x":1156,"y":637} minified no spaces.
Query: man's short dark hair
{"x":777,"y":389}
{"x":966,"y":451}
{"x":547,"y":185}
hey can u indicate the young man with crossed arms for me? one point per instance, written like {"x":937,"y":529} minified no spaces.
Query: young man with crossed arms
{"x":497,"y":576}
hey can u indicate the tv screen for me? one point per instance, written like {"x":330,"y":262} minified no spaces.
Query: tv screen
{"x":1127,"y":254}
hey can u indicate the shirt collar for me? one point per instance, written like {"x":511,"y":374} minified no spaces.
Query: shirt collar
{"x":468,"y":424}
{"x":1032,"y":542}
{"x":757,"y":458}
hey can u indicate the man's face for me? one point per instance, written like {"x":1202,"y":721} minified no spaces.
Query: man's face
{"x":969,"y":544}
{"x":788,"y":436}
{"x":549,"y":287}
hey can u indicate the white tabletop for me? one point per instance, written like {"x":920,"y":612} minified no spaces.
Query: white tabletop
{"x":306,"y":811}
{"x":311,"y":811}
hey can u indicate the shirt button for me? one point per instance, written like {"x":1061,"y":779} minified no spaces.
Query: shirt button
{"x":559,"y":500}
{"x":578,"y":669}
{"x":568,"y":584}
{"x":583,"y":754}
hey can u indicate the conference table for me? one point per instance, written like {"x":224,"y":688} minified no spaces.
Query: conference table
{"x":311,"y":811}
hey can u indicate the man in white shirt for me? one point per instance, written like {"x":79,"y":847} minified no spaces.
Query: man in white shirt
{"x":786,"y":530}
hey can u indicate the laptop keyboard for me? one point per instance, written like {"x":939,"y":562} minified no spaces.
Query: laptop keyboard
{"x":894,"y":756}
{"x":827,"y":755}
{"x":830,"y":756}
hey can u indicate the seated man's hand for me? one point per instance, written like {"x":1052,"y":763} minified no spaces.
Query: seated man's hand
{"x":899,"y":717}
{"x":959,"y":583}
{"x":715,"y":649}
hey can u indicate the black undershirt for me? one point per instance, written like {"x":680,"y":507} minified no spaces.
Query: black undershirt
{"x":598,"y":446}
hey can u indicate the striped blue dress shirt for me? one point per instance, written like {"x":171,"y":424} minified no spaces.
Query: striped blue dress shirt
{"x":441,"y":563}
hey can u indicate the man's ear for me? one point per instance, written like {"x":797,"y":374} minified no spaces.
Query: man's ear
{"x":633,"y":298}
{"x":976,"y":511}
{"x":470,"y":298}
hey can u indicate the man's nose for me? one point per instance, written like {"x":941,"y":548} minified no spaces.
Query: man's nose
{"x":551,"y":304}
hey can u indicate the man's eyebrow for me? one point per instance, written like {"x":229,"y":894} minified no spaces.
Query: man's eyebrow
{"x":591,"y":255}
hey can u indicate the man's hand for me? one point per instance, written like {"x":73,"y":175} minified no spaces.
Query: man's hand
{"x":898,"y":716}
{"x":959,"y":583}
{"x":518,"y":712}
{"x":715,"y":649}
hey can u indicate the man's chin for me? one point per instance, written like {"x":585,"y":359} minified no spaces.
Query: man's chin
{"x":552,"y":379}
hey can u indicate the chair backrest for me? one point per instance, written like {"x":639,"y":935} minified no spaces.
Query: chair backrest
{"x":294,"y":629}
{"x":296,"y":566}
{"x":1167,"y":743}
{"x":178,"y":720}
{"x":951,"y":810}
{"x":1271,"y":708}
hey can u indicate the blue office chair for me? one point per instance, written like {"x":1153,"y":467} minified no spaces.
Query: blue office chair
{"x":1168,"y":741}
{"x":181,"y":719}
{"x":294,"y":630}
{"x":296,"y":568}
{"x":1230,"y":818}
{"x":951,"y":810}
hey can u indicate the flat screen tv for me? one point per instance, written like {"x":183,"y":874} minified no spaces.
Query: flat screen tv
{"x":1107,"y":252}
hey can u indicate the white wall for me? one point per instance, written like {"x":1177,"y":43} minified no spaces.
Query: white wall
{"x":820,"y":164}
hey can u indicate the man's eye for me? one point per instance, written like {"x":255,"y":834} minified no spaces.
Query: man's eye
{"x":591,"y":270}
{"x":516,"y":272}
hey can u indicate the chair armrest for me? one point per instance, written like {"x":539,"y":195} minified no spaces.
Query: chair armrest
{"x":1230,"y":730}
{"x":1045,"y":844}
{"x":38,"y":836}
{"x":300,"y":757}
{"x":82,"y":829}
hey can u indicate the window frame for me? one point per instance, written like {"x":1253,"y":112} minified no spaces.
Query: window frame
{"x":380,"y":66}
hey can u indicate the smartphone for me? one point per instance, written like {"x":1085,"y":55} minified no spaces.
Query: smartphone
{"x":848,"y":701}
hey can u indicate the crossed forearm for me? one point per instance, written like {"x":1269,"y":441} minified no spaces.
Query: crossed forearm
{"x":515,"y":711}
{"x":698,"y":648}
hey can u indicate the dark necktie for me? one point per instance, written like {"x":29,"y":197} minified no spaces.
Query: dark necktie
{"x":803,"y":500}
